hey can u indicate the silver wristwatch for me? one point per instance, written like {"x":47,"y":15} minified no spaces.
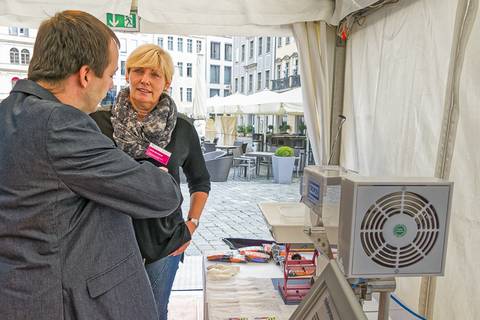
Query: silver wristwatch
{"x":195,"y":221}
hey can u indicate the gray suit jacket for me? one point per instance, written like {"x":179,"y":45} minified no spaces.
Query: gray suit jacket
{"x":67,"y":195}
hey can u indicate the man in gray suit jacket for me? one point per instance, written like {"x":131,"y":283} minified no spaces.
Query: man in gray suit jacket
{"x":67,"y":195}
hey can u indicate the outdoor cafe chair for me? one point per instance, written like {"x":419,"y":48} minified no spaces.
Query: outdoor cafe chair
{"x":244,"y":165}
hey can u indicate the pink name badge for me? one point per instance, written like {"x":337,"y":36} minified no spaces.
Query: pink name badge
{"x":158,"y":153}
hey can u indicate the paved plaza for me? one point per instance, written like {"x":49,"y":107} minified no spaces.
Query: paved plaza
{"x":232,"y":211}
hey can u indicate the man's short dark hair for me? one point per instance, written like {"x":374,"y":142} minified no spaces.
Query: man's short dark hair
{"x":66,"y":42}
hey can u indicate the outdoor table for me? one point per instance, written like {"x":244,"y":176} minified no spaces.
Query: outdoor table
{"x":261,"y":154}
{"x":255,"y":278}
{"x":228,"y":149}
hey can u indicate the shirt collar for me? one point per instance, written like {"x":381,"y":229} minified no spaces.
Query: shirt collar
{"x":33,"y":88}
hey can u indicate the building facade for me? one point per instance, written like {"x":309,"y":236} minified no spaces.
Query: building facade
{"x":187,"y":52}
{"x":287,"y":77}
{"x":184,"y":51}
{"x":253,"y":67}
{"x":287,"y":74}
{"x":16,"y":49}
{"x":219,"y":61}
{"x":253,"y":64}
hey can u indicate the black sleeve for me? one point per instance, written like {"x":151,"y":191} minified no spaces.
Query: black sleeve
{"x":102,"y":118}
{"x":194,"y":166}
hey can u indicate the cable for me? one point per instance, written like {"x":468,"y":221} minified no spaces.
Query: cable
{"x":413,"y":313}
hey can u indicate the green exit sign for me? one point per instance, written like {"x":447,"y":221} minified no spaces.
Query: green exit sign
{"x":120,"y":22}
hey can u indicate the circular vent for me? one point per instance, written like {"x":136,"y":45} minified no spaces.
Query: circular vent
{"x":399,"y":229}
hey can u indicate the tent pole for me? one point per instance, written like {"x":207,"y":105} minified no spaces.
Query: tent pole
{"x":466,"y":13}
{"x":337,"y":97}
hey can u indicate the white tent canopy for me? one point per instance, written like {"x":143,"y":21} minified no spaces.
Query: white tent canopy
{"x":209,"y":17}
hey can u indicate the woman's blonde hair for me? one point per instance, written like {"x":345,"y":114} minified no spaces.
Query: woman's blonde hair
{"x":151,"y":56}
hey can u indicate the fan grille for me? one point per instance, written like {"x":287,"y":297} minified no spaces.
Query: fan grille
{"x":382,"y":229}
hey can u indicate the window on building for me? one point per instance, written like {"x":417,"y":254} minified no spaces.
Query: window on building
{"x":160,"y":42}
{"x":242,"y":85}
{"x":14,"y":56}
{"x":23,"y":32}
{"x":13,"y":31}
{"x":189,"y":94}
{"x":227,"y":75}
{"x":180,"y":69}
{"x":279,"y":71}
{"x":252,"y":49}
{"x":236,"y":84}
{"x":226,"y":92}
{"x":214,"y":92}
{"x":25,"y":56}
{"x":181,"y":94}
{"x":170,"y":43}
{"x":295,"y":70}
{"x":259,"y":81}
{"x":180,"y":44}
{"x":189,"y":70}
{"x":109,"y":99}
{"x":269,"y":45}
{"x":243,"y":52}
{"x":215,"y":50}
{"x":122,"y":68}
{"x":260,"y":46}
{"x":267,"y":79}
{"x":189,"y":45}
{"x":287,"y":69}
{"x":123,"y":45}
{"x":228,"y":52}
{"x":250,"y":83}
{"x":199,"y":46}
{"x":287,"y":40}
{"x":214,"y":74}
{"x":133,"y":44}
{"x":279,"y":43}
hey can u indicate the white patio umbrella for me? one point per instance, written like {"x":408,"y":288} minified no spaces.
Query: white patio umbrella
{"x":263,"y":102}
{"x":292,"y":101}
{"x":270,"y":102}
{"x":199,"y":107}
{"x":227,"y":105}
{"x":212,"y":102}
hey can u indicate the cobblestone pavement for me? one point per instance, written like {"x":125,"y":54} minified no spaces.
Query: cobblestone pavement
{"x":232,"y":211}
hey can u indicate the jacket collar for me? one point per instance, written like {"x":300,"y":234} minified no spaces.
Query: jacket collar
{"x":32,"y":88}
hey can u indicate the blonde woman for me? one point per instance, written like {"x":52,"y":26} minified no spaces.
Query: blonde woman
{"x":144,"y":113}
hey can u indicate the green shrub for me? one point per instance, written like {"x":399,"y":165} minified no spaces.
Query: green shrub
{"x":249,"y":129}
{"x":241,"y":129}
{"x":284,"y":152}
{"x":284,"y":127}
{"x":302,"y":127}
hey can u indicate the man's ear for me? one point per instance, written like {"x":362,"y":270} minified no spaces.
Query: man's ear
{"x":84,"y":75}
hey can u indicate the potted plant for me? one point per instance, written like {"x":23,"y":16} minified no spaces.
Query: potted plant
{"x":241,"y":130}
{"x":302,"y":127}
{"x":270,"y":128}
{"x":284,"y":127}
{"x":282,"y":165}
{"x":249,"y":129}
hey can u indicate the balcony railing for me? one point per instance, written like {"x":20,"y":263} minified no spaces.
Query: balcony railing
{"x":286,"y":83}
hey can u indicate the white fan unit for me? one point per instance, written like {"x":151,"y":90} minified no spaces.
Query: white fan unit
{"x":393,"y":227}
{"x":321,"y":193}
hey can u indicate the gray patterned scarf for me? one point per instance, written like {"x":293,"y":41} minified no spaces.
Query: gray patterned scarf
{"x":132,"y":135}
